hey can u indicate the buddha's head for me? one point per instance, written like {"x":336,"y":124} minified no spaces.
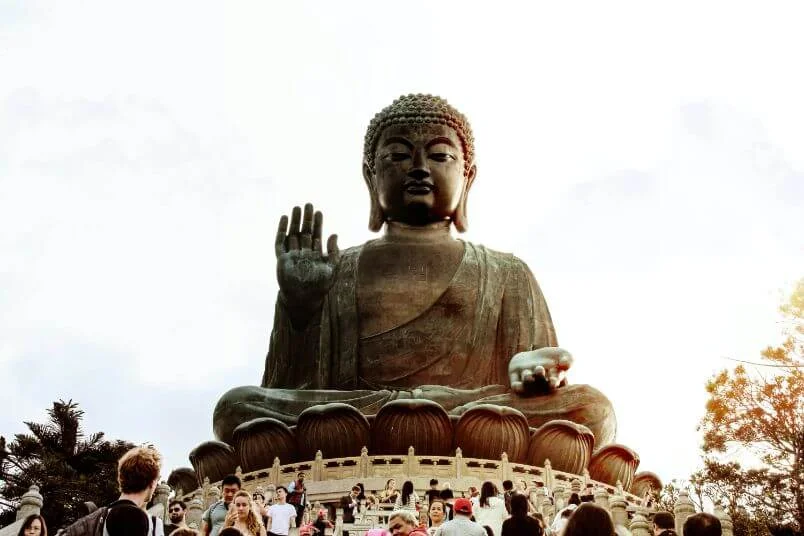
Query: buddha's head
{"x":418,"y":163}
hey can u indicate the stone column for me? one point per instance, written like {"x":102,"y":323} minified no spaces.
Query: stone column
{"x":560,"y":496}
{"x":30,"y":503}
{"x":162,"y":496}
{"x":726,"y":525}
{"x":640,"y":526}
{"x":602,"y":498}
{"x":195,"y":509}
{"x":683,"y":509}
{"x":618,"y":511}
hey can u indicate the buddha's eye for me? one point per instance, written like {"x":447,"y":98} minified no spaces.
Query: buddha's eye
{"x":397,"y":156}
{"x":441,"y":157}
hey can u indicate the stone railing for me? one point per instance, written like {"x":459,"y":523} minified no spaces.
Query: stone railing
{"x":328,"y":480}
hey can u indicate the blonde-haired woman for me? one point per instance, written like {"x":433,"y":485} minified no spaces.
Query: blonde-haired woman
{"x":243,"y":516}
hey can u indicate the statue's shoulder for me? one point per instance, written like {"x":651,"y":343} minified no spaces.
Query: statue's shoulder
{"x":500,"y":259}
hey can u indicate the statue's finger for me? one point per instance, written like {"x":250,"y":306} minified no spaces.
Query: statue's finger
{"x":552,"y":379}
{"x":333,"y":253}
{"x":307,"y":220}
{"x":516,"y":384}
{"x":527,"y":375}
{"x":295,"y":218}
{"x":318,"y":225}
{"x":281,"y":233}
{"x":539,"y":372}
{"x":317,"y":245}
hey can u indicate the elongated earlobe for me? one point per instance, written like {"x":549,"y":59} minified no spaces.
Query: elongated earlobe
{"x":461,"y":217}
{"x":376,"y":216}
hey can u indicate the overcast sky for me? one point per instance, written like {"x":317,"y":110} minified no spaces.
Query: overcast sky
{"x":646,"y":162}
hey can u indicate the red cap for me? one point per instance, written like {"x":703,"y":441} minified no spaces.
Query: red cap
{"x":463,"y":506}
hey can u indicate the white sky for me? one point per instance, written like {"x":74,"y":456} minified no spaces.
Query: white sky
{"x":646,"y":162}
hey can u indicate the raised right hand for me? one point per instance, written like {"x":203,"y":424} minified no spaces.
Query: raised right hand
{"x":305,"y":274}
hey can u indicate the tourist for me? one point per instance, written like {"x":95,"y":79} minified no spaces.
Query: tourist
{"x":389,"y":494}
{"x":321,"y":523}
{"x":407,"y":500}
{"x":243,"y":517}
{"x":560,"y":518}
{"x":540,"y":518}
{"x":215,"y":516}
{"x":437,"y":514}
{"x":403,"y":523}
{"x":664,"y":524}
{"x":449,"y":499}
{"x":560,"y":521}
{"x":508,"y":492}
{"x":137,"y":477}
{"x":280,"y":513}
{"x":461,"y":524}
{"x":362,"y":495}
{"x":126,"y":519}
{"x":378,"y":532}
{"x":433,"y":492}
{"x":702,"y":524}
{"x":176,"y":513}
{"x":185,"y":531}
{"x":589,"y":519}
{"x":520,"y":523}
{"x":34,"y":525}
{"x":297,"y":496}
{"x":474,"y":497}
{"x":351,"y":505}
{"x":260,"y":507}
{"x":491,"y":510}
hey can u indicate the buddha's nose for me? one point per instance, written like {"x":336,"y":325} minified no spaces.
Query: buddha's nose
{"x":419,"y":171}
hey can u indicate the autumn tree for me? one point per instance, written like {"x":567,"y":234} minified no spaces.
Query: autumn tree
{"x":760,"y":409}
{"x":68,"y":466}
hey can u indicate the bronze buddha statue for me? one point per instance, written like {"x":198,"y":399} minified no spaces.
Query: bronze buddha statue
{"x":416,"y":313}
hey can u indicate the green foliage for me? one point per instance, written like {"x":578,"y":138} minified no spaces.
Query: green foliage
{"x":762,"y":412}
{"x":68,"y":466}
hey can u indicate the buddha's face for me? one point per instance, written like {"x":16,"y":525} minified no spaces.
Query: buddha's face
{"x":419,"y":173}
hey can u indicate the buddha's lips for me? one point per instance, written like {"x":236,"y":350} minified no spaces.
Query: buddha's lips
{"x":419,"y":188}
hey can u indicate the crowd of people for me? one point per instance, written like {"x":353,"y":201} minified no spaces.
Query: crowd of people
{"x":485,"y":512}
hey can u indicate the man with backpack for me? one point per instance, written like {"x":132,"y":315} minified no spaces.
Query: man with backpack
{"x":137,"y":475}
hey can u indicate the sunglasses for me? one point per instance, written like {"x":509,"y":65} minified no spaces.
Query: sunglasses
{"x":175,"y":510}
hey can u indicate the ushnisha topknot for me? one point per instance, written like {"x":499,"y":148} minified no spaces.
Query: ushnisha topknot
{"x":419,"y":108}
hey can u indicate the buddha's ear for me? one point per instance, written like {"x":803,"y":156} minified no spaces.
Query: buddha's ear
{"x":460,"y":219}
{"x":376,"y":217}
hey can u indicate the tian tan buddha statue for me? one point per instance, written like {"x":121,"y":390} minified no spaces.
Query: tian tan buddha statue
{"x":416,"y":320}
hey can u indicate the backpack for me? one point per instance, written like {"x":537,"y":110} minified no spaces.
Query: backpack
{"x":90,"y":525}
{"x":95,"y":523}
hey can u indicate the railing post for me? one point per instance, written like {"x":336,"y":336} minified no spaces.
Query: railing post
{"x":619,"y":514}
{"x":195,"y":509}
{"x":505,"y":467}
{"x":318,"y":466}
{"x":274,"y":474}
{"x":458,"y":463}
{"x":602,"y":498}
{"x":412,"y":466}
{"x":548,"y":474}
{"x":560,"y":496}
{"x":683,"y":509}
{"x":726,"y":525}
{"x":364,"y":462}
{"x":30,"y":503}
{"x":640,"y":526}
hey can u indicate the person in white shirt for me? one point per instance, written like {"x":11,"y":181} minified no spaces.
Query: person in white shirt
{"x":491,"y":512}
{"x":280,"y":513}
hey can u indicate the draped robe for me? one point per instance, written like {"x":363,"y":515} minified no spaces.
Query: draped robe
{"x":455,"y":352}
